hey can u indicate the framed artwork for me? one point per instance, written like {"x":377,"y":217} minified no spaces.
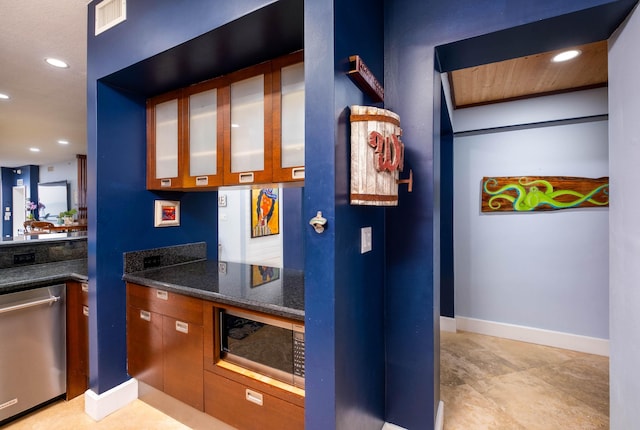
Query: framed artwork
{"x":263,"y":274}
{"x":542,"y":193}
{"x":167,"y":213}
{"x":265,"y":212}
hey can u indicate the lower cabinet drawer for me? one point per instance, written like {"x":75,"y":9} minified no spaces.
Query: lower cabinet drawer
{"x":248,"y":409}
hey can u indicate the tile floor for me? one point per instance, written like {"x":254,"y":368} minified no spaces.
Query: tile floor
{"x":486,"y":383}
{"x":494,"y":383}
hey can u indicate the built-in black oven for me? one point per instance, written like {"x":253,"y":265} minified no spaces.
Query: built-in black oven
{"x":266,"y":345}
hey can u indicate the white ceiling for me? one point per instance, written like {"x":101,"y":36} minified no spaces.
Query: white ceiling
{"x":47,"y":104}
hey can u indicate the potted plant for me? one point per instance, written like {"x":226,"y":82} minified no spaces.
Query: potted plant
{"x":67,"y":216}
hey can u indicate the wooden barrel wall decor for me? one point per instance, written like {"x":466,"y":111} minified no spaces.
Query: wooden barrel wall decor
{"x":542,"y":193}
{"x":377,"y":156}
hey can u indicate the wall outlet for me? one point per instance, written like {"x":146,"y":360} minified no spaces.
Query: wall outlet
{"x":365,"y":240}
{"x":222,"y":200}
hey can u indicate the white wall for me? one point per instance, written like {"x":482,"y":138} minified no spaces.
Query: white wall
{"x":624,"y":227}
{"x":546,"y":270}
{"x":63,"y":171}
{"x":234,"y":232}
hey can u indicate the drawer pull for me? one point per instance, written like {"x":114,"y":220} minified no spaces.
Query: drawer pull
{"x":85,"y":311}
{"x":145,"y":315}
{"x":202,"y":181}
{"x":162,"y":295}
{"x":85,"y":287}
{"x":244,"y":178}
{"x":165,"y":182}
{"x":297,"y":173}
{"x":253,"y":397}
{"x":182,"y":327}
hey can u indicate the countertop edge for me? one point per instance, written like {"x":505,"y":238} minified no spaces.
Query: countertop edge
{"x":267,"y":308}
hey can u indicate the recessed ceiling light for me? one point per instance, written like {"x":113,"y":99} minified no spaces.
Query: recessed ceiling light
{"x":566,"y":56}
{"x":4,"y":96}
{"x":34,"y":149}
{"x":56,"y":63}
{"x":63,"y":142}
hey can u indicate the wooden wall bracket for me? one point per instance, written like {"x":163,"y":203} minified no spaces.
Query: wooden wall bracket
{"x":409,"y":181}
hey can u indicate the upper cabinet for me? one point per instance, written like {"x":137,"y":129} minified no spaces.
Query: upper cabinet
{"x":288,"y":118}
{"x":243,"y":128}
{"x":163,"y":142}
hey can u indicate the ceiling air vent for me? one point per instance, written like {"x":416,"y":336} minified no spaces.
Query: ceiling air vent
{"x":110,"y":13}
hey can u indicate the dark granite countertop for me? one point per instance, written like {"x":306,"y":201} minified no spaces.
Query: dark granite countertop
{"x":39,"y":275}
{"x":237,"y":284}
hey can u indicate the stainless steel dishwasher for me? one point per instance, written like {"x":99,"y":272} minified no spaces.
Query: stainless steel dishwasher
{"x":32,"y":348}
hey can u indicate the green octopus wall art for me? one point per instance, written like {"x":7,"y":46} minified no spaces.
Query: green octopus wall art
{"x":542,"y":193}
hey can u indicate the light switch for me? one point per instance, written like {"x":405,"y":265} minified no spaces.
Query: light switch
{"x":365,"y":240}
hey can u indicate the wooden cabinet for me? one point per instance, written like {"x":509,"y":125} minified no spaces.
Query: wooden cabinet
{"x":288,"y":118}
{"x":77,"y":338}
{"x":243,"y":128}
{"x":243,"y":398}
{"x":173,"y":345}
{"x":165,"y":342}
{"x":164,"y":142}
{"x":248,"y":408}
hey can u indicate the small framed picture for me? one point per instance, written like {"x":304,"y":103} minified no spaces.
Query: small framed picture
{"x":167,"y":213}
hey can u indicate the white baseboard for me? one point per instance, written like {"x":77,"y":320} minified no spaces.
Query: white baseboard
{"x":439,"y":425}
{"x":440,"y":417}
{"x":389,"y":426}
{"x":98,"y":406}
{"x":574,"y":342}
{"x":448,"y":324}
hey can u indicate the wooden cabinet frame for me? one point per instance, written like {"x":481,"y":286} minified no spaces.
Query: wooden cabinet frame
{"x":282,"y":174}
{"x":258,"y":176}
{"x":154,"y":183}
{"x":272,"y":171}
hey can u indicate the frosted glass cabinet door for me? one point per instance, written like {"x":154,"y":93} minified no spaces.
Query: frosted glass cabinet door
{"x":166,"y":153}
{"x":203,"y":133}
{"x":292,"y":115}
{"x":288,"y":118}
{"x":248,"y":151}
{"x":247,"y":125}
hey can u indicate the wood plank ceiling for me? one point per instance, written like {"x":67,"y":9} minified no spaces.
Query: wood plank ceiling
{"x":529,"y":76}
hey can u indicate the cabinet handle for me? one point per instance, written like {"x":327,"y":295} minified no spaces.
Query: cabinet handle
{"x":85,"y":310}
{"x":253,"y":397}
{"x":85,"y":287}
{"x":165,"y":182}
{"x":202,"y":181}
{"x":182,"y":327}
{"x":145,"y":315}
{"x":297,"y":173}
{"x":162,"y":295}
{"x":244,"y":178}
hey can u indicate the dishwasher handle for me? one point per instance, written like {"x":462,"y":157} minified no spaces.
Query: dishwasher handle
{"x":46,"y":301}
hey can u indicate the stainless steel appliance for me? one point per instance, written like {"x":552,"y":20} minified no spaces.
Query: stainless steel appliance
{"x":263,"y":344}
{"x":32,"y":348}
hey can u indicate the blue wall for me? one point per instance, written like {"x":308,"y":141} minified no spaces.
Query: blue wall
{"x":30,"y":176}
{"x":8,"y":181}
{"x":371,"y":319}
{"x":413,"y":30}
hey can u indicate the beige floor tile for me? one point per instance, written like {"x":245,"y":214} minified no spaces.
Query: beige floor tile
{"x":540,"y":406}
{"x":493,"y":383}
{"x":466,"y":409}
{"x":70,"y":416}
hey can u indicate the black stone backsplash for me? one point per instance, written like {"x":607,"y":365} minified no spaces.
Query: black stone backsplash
{"x":136,"y":261}
{"x":38,"y":252}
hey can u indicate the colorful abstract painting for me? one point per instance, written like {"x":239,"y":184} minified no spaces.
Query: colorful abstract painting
{"x":542,"y":193}
{"x":264,"y":212}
